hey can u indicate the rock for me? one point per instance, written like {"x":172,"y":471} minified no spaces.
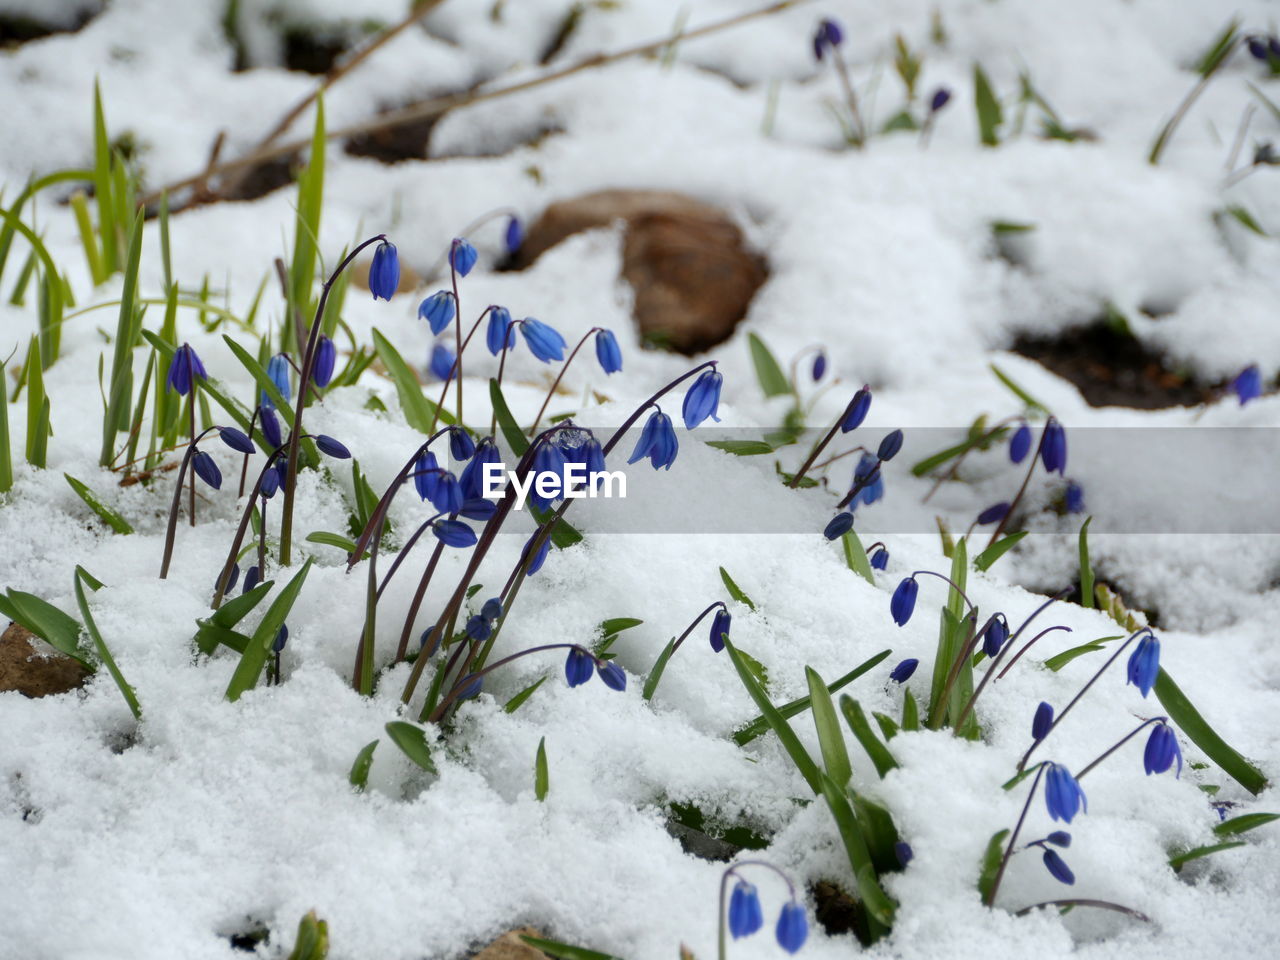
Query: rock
{"x":33,"y":668}
{"x":693,"y":279}
{"x":509,"y":946}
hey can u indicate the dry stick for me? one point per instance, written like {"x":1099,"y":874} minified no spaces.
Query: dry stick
{"x":439,"y":105}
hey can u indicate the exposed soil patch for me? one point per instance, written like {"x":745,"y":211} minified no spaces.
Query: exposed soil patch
{"x":34,"y":669}
{"x":17,"y":29}
{"x":404,"y":141}
{"x":1113,"y":369}
{"x":312,"y":52}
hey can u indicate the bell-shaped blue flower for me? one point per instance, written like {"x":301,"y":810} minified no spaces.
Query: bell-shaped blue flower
{"x":270,"y":428}
{"x":1020,"y":443}
{"x":441,"y":362}
{"x":608,"y":352}
{"x":544,"y":341}
{"x":903,"y":671}
{"x":278,"y":372}
{"x":486,"y":452}
{"x":994,"y":637}
{"x":461,"y":446}
{"x":251,"y":578}
{"x":539,"y":558}
{"x":591,"y":456}
{"x":941,"y":97}
{"x":478,"y":628}
{"x":470,"y":686}
{"x":819,"y":366}
{"x":499,"y":330}
{"x":384,"y":272}
{"x":236,"y":440}
{"x":1162,"y":750}
{"x":1053,"y":447}
{"x":514,"y":235}
{"x":454,"y":533}
{"x":282,"y":637}
{"x":1073,"y":499}
{"x":828,"y":35}
{"x":793,"y":927}
{"x":745,"y":915}
{"x":206,"y":469}
{"x":325,"y":360}
{"x":1042,"y":721}
{"x":270,"y":482}
{"x":890,"y":445}
{"x":657,"y":442}
{"x":614,"y":677}
{"x":720,"y":629}
{"x":492,"y":609}
{"x":838,"y":525}
{"x":856,"y":412}
{"x":879,"y":559}
{"x":462,"y":256}
{"x":548,"y":463}
{"x":703,"y":399}
{"x":994,"y":513}
{"x":426,"y":476}
{"x":331,"y":447}
{"x":1058,"y":867}
{"x":1062,"y":794}
{"x":1247,"y":384}
{"x":578,"y":666}
{"x":438,"y":310}
{"x":231,"y":580}
{"x":903,"y":602}
{"x":1144,"y":664}
{"x":184,"y":369}
{"x":475,"y":508}
{"x":447,"y":495}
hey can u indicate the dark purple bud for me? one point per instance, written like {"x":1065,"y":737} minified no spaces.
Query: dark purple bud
{"x":492,"y":609}
{"x":1042,"y":721}
{"x":857,"y":410}
{"x":819,"y":366}
{"x":903,"y":671}
{"x":206,"y":469}
{"x":1020,"y":444}
{"x":903,"y":851}
{"x":1258,"y":47}
{"x":890,"y":445}
{"x":454,"y":533}
{"x":903,"y":602}
{"x":993,"y":514}
{"x":1060,"y":838}
{"x":1058,"y":867}
{"x":282,"y":637}
{"x":236,"y":440}
{"x":720,"y":629}
{"x":613,"y":675}
{"x":515,"y":234}
{"x":940,"y":98}
{"x":270,"y":482}
{"x":462,"y":256}
{"x":251,"y":578}
{"x":1074,"y":497}
{"x":384,"y":273}
{"x":323,"y":364}
{"x":331,"y":447}
{"x":994,"y":638}
{"x":270,"y":428}
{"x":231,"y":580}
{"x":839,"y":525}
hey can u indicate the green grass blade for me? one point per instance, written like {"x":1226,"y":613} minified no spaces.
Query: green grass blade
{"x":511,"y":431}
{"x":855,"y":555}
{"x":987,"y":107}
{"x":307,"y":227}
{"x":991,"y":865}
{"x":418,"y":410}
{"x":777,"y":723}
{"x":910,"y":711}
{"x":857,"y":720}
{"x":541,"y":778}
{"x":989,"y":556}
{"x":259,"y":374}
{"x":516,"y":702}
{"x":1060,"y":660}
{"x":659,"y":665}
{"x":112,"y":519}
{"x":565,"y":951}
{"x":37,"y":409}
{"x":773,"y":381}
{"x":122,"y":360}
{"x":760,"y":725}
{"x":878,"y":906}
{"x":255,"y":655}
{"x":359,"y":776}
{"x":1179,"y":859}
{"x":82,"y":577}
{"x":412,"y":740}
{"x":6,"y":455}
{"x":102,"y":184}
{"x":835,"y":756}
{"x":1033,"y":405}
{"x":1244,"y":823}
{"x":1197,"y":729}
{"x":1086,"y":571}
{"x":735,"y":591}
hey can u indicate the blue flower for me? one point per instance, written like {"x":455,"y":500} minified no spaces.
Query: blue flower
{"x":441,"y":362}
{"x":856,"y":412}
{"x":720,"y":629}
{"x":703,"y":399}
{"x":331,"y":447}
{"x":1020,"y":444}
{"x":867,"y":477}
{"x":993,"y":513}
{"x":657,"y":442}
{"x":470,"y":686}
{"x":438,"y":310}
{"x":828,"y":35}
{"x":903,"y":671}
{"x":838,"y":525}
{"x":940,"y":98}
{"x":1062,"y":795}
{"x":793,"y":928}
{"x":608,"y":352}
{"x":819,"y":366}
{"x":206,"y":469}
{"x":425,"y":640}
{"x":1059,"y":838}
{"x":614,"y":677}
{"x":539,"y":558}
{"x":1074,"y":497}
{"x":447,"y":494}
{"x":251,"y":578}
{"x":1058,"y":867}
{"x":231,"y":580}
{"x":461,"y":446}
{"x":1041,"y":722}
{"x":1162,"y":749}
{"x":903,"y":602}
{"x":454,"y":533}
{"x":462,"y":256}
{"x":475,"y":508}
{"x":890,"y":445}
{"x":880,"y":559}
{"x":384,"y":272}
{"x":591,"y":456}
{"x":270,"y":482}
{"x":270,"y":428}
{"x":499,"y":330}
{"x":492,"y":609}
{"x":1258,"y":47}
{"x":282,"y":637}
{"x":745,"y":915}
{"x":548,"y":461}
{"x":325,"y":359}
{"x":994,"y":637}
{"x":1144,"y":664}
{"x":578,"y":666}
{"x":544,"y":342}
{"x":278,"y":373}
{"x":478,"y":628}
{"x":426,"y":475}
{"x":514,"y":236}
{"x":184,"y":369}
{"x":236,"y":440}
{"x":1053,"y":447}
{"x":1247,"y":384}
{"x":902,"y":850}
{"x":486,"y":452}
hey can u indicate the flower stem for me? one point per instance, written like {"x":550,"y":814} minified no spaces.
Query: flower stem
{"x":1013,"y":504}
{"x":550,"y":393}
{"x":1132,"y":733}
{"x":1013,"y":839}
{"x":822,"y":444}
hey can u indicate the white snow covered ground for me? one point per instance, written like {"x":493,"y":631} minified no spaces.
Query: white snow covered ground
{"x":162,"y":838}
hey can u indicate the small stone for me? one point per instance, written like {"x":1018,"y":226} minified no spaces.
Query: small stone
{"x":33,"y":668}
{"x":509,"y":946}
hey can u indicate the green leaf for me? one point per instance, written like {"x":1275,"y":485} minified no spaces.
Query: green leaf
{"x":565,"y":951}
{"x":659,"y":665}
{"x":888,"y":726}
{"x":417,"y":409}
{"x":742,"y":448}
{"x":1197,"y":729}
{"x":37,"y":409}
{"x":307,"y":226}
{"x":127,"y":328}
{"x":1033,"y":405}
{"x":563,"y":534}
{"x":1246,"y":219}
{"x":328,"y":539}
{"x":777,"y":723}
{"x":1243,"y":823}
{"x":541,"y":780}
{"x":1001,"y":227}
{"x":735,"y":591}
{"x":991,"y":864}
{"x":1179,"y":859}
{"x":1086,"y":571}
{"x":254,"y":657}
{"x":6,"y":458}
{"x":757,"y":669}
{"x":412,"y":739}
{"x":835,"y":756}
{"x":116,"y":522}
{"x":773,"y":381}
{"x":359,"y":775}
{"x":1212,"y":58}
{"x":217,"y":628}
{"x":879,"y":832}
{"x":990,"y":116}
{"x":511,"y":431}
{"x":760,"y":725}
{"x":856,"y":557}
{"x":49,"y":623}
{"x":857,"y":720}
{"x":616,"y":625}
{"x":82,"y":577}
{"x":989,"y":556}
{"x":518,"y":700}
{"x":263,"y":380}
{"x":878,"y":906}
{"x":910,"y":711}
{"x":1060,"y":660}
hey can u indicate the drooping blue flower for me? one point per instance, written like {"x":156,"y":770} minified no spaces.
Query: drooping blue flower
{"x":475,"y":508}
{"x":425,"y":643}
{"x":184,"y":369}
{"x":838,"y":525}
{"x":614,"y":677}
{"x":1042,"y":721}
{"x":548,"y":461}
{"x":447,"y":494}
{"x":903,"y":602}
{"x":819,"y":366}
{"x":278,"y":372}
{"x":1258,"y":47}
{"x":478,"y":628}
{"x":1162,"y":750}
{"x":426,"y":476}
{"x":461,"y":446}
{"x":438,"y":310}
{"x":608,"y":352}
{"x":1058,"y":867}
{"x":903,"y":671}
{"x":828,"y":35}
{"x":544,"y":341}
{"x":331,"y":447}
{"x":470,"y":685}
{"x":745,"y":915}
{"x":251,"y":578}
{"x":325,"y":360}
{"x":993,"y":639}
{"x":856,"y":412}
{"x":282,"y":637}
{"x":539,"y":558}
{"x":1062,"y":794}
{"x":890,"y":445}
{"x":1144,"y":664}
{"x":880,"y":559}
{"x":657,"y":442}
{"x":793,"y":927}
{"x":1247,"y":384}
{"x":206,"y":469}
{"x":993,"y":514}
{"x":578,"y":666}
{"x":231,"y":580}
{"x":720,"y":629}
{"x":499,"y":330}
{"x":591,"y":456}
{"x":1020,"y":443}
{"x":462,"y":255}
{"x":236,"y":440}
{"x":514,"y":235}
{"x":454,"y":533}
{"x":1060,"y":838}
{"x":1053,"y":447}
{"x":441,"y":362}
{"x":703,"y":399}
{"x":902,"y":850}
{"x":492,"y":609}
{"x":486,"y":452}
{"x":384,"y":272}
{"x":270,"y":428}
{"x":868,"y":477}
{"x":940,"y":98}
{"x":270,"y":482}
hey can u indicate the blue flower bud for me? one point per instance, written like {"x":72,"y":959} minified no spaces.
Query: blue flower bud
{"x":880,"y":559}
{"x":441,"y":362}
{"x":608,"y":352}
{"x":827,"y":35}
{"x":547,"y":461}
{"x":903,"y":602}
{"x":331,"y":447}
{"x":902,"y":850}
{"x":184,"y":369}
{"x":461,"y":446}
{"x":514,"y":236}
{"x":993,"y":514}
{"x":236,"y":440}
{"x":425,"y":644}
{"x":1074,"y":497}
{"x":478,"y":628}
{"x":1247,"y":384}
{"x":492,"y":609}
{"x":903,"y":671}
{"x":1060,"y":838}
{"x":657,"y":442}
{"x":270,"y":482}
{"x":793,"y":928}
{"x":251,"y":577}
{"x":278,"y":372}
{"x":447,"y":493}
{"x":1162,"y":750}
{"x":462,"y":256}
{"x":994,"y":637}
{"x":426,"y":476}
{"x":890,"y":445}
{"x":478,"y":509}
{"x":206,"y":469}
{"x":544,"y":341}
{"x":819,"y":366}
{"x":1041,"y":722}
{"x":1144,"y":664}
{"x":438,"y":310}
{"x":499,"y":330}
{"x":270,"y":428}
{"x":231,"y":580}
{"x":720,"y":629}
{"x":384,"y":272}
{"x":1053,"y":447}
{"x":472,"y":479}
{"x":454,"y":533}
{"x":539,"y":558}
{"x":1020,"y":444}
{"x":838,"y":525}
{"x":578,"y":666}
{"x":614,"y":677}
{"x":1258,"y":48}
{"x":471,"y":685}
{"x":857,"y":410}
{"x":282,"y":637}
{"x":940,"y":98}
{"x":703,"y":399}
{"x":745,"y":915}
{"x":1062,"y":794}
{"x":325,"y":359}
{"x":1058,"y":867}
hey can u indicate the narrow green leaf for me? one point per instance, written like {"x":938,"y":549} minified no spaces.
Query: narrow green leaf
{"x":616,"y":625}
{"x":514,"y":704}
{"x":412,"y":739}
{"x":332,"y":540}
{"x":880,"y":834}
{"x":1033,"y":405}
{"x":835,"y":756}
{"x":777,"y":723}
{"x":760,"y":725}
{"x":1179,"y":859}
{"x":216,"y":629}
{"x":563,"y":534}
{"x":263,"y":380}
{"x":127,"y":327}
{"x":659,"y":665}
{"x":1244,"y":823}
{"x":856,"y":557}
{"x":1060,"y":660}
{"x":565,"y":951}
{"x":359,"y":776}
{"x":49,"y":623}
{"x":1212,"y":58}
{"x":990,"y":116}
{"x":857,"y":720}
{"x":989,"y":556}
{"x":1246,"y":219}
{"x":757,"y":669}
{"x":910,"y":711}
{"x":742,"y":448}
{"x":100,"y":645}
{"x":417,"y":409}
{"x":1086,"y":571}
{"x":878,"y":906}
{"x":888,"y":726}
{"x":112,"y":519}
{"x":1197,"y":729}
{"x":991,"y":864}
{"x":511,"y":431}
{"x":102,"y":184}
{"x":37,"y":409}
{"x":735,"y":591}
{"x":88,"y":240}
{"x":251,"y":662}
{"x":6,"y":456}
{"x":541,"y":780}
{"x":773,"y":381}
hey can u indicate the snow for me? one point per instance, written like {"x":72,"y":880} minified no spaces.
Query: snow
{"x":162,"y":838}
